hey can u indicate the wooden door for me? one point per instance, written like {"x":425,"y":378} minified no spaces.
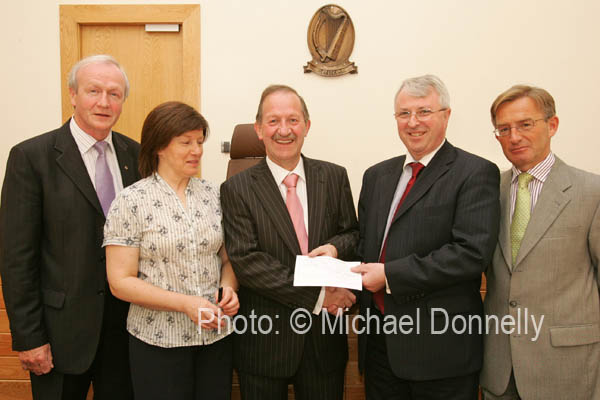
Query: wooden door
{"x":161,"y":66}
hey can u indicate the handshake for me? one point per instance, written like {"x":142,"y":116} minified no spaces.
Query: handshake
{"x":336,"y":298}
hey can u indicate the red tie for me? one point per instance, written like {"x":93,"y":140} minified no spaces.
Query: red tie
{"x":292,"y":202}
{"x":416,"y":168}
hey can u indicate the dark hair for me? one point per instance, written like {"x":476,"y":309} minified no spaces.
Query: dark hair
{"x":280,"y":88}
{"x":163,"y":123}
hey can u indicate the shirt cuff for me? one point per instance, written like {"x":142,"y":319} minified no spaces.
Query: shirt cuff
{"x":387,"y":287}
{"x":319,"y":305}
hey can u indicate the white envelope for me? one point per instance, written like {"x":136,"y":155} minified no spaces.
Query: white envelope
{"x":326,"y":271}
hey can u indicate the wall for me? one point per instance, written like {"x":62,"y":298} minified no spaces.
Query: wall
{"x":478,"y":47}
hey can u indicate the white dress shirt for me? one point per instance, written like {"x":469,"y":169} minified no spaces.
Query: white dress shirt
{"x":85,"y":144}
{"x":279,"y":174}
{"x":400,"y":188}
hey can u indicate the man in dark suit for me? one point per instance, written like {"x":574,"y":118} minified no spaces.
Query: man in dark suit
{"x":66,"y":326}
{"x":285,"y":206}
{"x":428,"y":226}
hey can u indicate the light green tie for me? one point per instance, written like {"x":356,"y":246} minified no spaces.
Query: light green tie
{"x":521,"y":215}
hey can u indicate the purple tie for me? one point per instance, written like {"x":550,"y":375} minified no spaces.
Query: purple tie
{"x":105,"y":187}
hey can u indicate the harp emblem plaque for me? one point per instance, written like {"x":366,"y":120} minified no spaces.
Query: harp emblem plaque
{"x":330,"y":41}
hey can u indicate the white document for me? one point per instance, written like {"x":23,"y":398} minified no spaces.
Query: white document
{"x":326,"y":271}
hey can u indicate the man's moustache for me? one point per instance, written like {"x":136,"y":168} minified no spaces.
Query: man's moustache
{"x":291,"y":136}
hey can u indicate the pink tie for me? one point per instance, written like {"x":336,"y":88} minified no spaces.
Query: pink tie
{"x":292,"y":202}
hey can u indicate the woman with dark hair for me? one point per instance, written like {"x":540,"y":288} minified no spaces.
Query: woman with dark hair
{"x":165,"y":255}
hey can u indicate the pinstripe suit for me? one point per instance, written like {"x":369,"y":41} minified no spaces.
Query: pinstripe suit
{"x":438,"y":245}
{"x":262,"y":245}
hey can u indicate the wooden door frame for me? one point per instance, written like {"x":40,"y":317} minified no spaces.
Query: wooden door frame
{"x":72,"y":17}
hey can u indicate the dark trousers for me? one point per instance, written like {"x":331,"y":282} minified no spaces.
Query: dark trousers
{"x":309,"y":382}
{"x":182,"y":373}
{"x":109,"y":373}
{"x":382,"y":384}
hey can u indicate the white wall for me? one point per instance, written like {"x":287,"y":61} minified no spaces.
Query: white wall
{"x":478,"y":47}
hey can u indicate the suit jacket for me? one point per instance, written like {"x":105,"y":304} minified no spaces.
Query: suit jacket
{"x":262,"y":245}
{"x":439,"y":243}
{"x":52,"y":261}
{"x":555,"y":276}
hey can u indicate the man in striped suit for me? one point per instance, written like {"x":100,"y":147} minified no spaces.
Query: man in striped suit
{"x":428,"y":227}
{"x":285,"y":206}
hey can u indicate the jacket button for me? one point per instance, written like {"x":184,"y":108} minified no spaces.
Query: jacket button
{"x":101,"y":292}
{"x":513,"y":303}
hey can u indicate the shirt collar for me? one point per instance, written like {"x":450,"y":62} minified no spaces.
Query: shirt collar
{"x":84,"y":141}
{"x":165,"y":187}
{"x":280,"y":173}
{"x":426,"y":159}
{"x":540,"y":171}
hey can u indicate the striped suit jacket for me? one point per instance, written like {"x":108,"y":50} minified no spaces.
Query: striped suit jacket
{"x":262,"y":246}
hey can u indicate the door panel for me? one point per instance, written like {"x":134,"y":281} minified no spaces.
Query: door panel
{"x":157,"y":63}
{"x":153,"y":62}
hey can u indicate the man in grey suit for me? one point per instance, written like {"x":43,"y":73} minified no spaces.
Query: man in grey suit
{"x":66,"y":326}
{"x":285,"y":206}
{"x":545,"y":264}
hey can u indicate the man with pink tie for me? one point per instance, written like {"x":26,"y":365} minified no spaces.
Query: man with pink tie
{"x":285,"y":206}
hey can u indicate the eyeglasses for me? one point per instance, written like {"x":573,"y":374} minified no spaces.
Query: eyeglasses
{"x":421,"y":115}
{"x":521,"y":126}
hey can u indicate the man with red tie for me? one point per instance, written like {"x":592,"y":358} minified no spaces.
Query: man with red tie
{"x":428,"y":226}
{"x":285,"y":206}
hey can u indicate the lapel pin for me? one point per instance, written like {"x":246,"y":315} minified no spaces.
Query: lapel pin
{"x":126,"y":167}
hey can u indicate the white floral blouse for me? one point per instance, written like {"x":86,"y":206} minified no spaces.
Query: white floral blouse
{"x":178,"y":252}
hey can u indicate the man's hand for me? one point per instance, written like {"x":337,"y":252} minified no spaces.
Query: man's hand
{"x":373,"y":276}
{"x":336,"y":298}
{"x":325,"y":250}
{"x":38,"y":360}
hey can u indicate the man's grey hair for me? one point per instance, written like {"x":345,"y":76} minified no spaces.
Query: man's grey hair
{"x":96,"y":59}
{"x":421,"y":86}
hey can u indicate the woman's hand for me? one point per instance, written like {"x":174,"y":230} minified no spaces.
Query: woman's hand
{"x":229,"y":303}
{"x":203,"y":312}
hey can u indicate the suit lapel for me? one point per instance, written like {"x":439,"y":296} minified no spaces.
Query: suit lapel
{"x":438,"y":166}
{"x":70,"y":161}
{"x":315,"y":193}
{"x":268,"y":194}
{"x":504,"y":233}
{"x":126,"y":162}
{"x":387,"y":182}
{"x":552,"y":200}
